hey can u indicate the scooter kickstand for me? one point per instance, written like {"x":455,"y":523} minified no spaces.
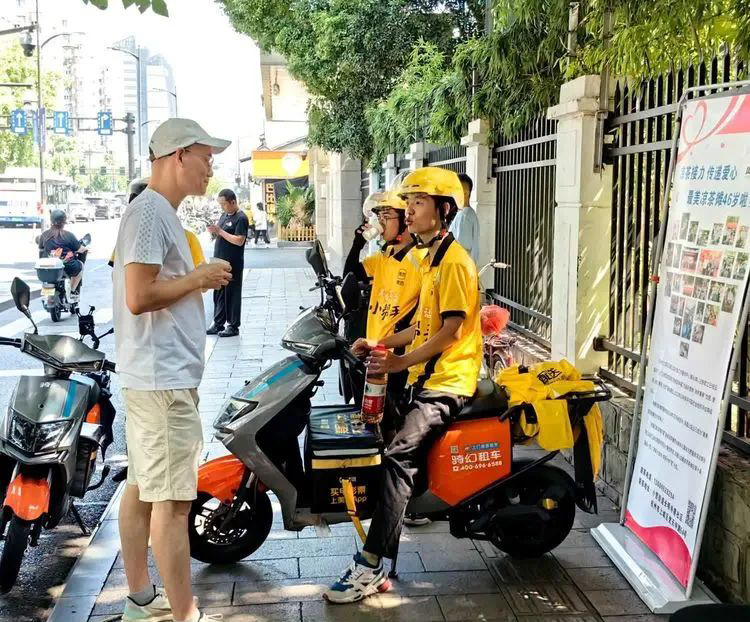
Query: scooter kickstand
{"x":79,"y":520}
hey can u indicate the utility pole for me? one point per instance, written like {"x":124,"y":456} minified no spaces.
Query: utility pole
{"x":130,"y":131}
{"x":41,"y":117}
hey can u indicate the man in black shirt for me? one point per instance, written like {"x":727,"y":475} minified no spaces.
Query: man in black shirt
{"x":230,"y":233}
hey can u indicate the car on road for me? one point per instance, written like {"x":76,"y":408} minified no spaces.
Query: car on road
{"x":80,"y":209}
{"x":102,"y":207}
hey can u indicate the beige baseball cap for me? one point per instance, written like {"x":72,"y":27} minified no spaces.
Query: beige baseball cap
{"x":176,"y":134}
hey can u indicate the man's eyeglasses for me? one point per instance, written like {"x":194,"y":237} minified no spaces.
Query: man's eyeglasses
{"x":208,"y":160}
{"x":386,"y":217}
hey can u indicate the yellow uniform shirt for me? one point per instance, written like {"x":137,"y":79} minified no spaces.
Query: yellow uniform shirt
{"x":449,"y":288}
{"x":195,"y":250}
{"x":395,"y":290}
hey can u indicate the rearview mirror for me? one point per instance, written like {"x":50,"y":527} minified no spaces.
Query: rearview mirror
{"x":350,"y":293}
{"x":21,"y":295}
{"x":86,"y":239}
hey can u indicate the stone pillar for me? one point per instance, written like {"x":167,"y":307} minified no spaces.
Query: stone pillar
{"x":416,"y":156}
{"x":484,"y":195}
{"x":344,"y":205}
{"x":580,"y":275}
{"x":319,"y":180}
{"x":374,"y":181}
{"x":389,"y":170}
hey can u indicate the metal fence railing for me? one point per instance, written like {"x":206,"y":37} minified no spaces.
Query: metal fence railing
{"x":525,"y":166}
{"x":642,"y":124}
{"x":364,"y":184}
{"x":402,"y":164}
{"x":453,"y":158}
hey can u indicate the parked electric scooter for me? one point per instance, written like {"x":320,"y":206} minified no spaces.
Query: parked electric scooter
{"x":55,"y":427}
{"x":525,"y":507}
{"x":56,"y":293}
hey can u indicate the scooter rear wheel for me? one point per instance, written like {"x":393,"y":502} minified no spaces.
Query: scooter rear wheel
{"x":16,"y":541}
{"x":242,"y":537}
{"x":55,"y":313}
{"x":548,"y":490}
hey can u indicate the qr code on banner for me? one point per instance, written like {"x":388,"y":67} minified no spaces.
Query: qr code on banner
{"x":690,"y":516}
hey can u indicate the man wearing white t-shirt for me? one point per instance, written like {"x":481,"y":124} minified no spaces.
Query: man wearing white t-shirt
{"x":160,"y":335}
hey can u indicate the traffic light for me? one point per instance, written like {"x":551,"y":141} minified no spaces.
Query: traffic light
{"x":103,"y":170}
{"x":82,"y":170}
{"x":28,"y":45}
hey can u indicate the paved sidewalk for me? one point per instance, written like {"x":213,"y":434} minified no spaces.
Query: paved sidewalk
{"x":442,"y":579}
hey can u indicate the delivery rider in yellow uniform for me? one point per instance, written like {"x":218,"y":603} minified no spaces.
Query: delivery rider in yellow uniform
{"x":444,"y":349}
{"x":395,"y":274}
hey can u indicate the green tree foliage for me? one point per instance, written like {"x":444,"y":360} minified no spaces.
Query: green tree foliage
{"x":64,"y":155}
{"x":349,"y":53}
{"x":648,"y":37}
{"x":17,"y":68}
{"x":297,"y":206}
{"x":383,"y":73}
{"x":157,"y":6}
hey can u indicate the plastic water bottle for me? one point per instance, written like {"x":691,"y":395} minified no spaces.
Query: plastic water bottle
{"x":373,"y":401}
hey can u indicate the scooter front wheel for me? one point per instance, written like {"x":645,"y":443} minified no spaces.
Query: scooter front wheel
{"x":16,"y":541}
{"x":215,"y":543}
{"x":548,"y":494}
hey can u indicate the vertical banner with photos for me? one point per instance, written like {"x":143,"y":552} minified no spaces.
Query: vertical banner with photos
{"x":703,"y":279}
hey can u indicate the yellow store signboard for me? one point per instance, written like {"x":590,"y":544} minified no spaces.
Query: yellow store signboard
{"x":279,"y":165}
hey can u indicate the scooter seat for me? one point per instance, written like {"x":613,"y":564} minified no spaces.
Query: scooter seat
{"x":490,"y":400}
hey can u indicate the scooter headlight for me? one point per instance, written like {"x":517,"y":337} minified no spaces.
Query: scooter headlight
{"x":39,"y":437}
{"x":233,"y":408}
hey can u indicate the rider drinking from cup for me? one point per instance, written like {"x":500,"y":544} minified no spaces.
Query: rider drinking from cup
{"x":444,"y":349}
{"x":56,"y":242}
{"x":395,"y":275}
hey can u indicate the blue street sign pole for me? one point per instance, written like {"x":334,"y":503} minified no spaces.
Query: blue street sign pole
{"x":61,"y":121}
{"x":41,"y":119}
{"x":18,"y":122}
{"x":104,"y":124}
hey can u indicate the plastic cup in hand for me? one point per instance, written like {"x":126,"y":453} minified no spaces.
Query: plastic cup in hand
{"x":373,"y":230}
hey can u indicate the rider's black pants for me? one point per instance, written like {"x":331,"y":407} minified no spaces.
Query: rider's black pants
{"x":426,"y":414}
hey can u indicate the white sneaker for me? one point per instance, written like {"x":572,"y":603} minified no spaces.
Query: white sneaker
{"x":207,"y":617}
{"x":358,"y":581}
{"x":158,"y":609}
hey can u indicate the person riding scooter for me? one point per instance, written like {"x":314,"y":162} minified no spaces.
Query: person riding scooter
{"x":444,"y":350}
{"x":56,"y":242}
{"x":395,"y":275}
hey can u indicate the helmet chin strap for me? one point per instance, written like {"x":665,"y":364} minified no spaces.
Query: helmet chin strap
{"x":420,"y":244}
{"x":395,"y":241}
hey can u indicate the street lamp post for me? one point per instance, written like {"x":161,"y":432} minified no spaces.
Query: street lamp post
{"x":170,"y":93}
{"x":137,"y":91}
{"x":41,"y":123}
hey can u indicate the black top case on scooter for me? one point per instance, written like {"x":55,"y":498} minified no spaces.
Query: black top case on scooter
{"x":338,"y":446}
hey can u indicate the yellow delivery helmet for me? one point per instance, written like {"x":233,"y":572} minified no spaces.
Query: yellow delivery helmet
{"x":381,"y":200}
{"x":434,"y":181}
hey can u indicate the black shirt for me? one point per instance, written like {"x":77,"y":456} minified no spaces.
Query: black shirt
{"x":234,"y":224}
{"x":67,"y":242}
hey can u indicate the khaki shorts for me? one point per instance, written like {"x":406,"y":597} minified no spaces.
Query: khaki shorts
{"x":165,"y":440}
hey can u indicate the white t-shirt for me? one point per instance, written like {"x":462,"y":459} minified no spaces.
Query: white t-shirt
{"x":163,"y":349}
{"x":261,"y":220}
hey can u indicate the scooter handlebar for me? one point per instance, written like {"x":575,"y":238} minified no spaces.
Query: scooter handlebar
{"x":7,"y":341}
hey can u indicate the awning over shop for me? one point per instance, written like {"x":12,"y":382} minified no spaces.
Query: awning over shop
{"x":279,"y":165}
